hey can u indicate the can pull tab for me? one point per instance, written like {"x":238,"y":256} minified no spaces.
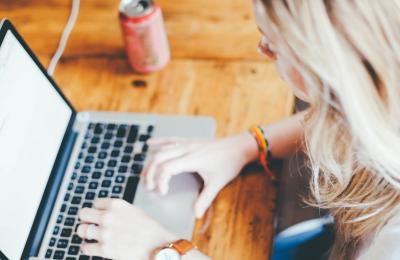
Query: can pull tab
{"x":135,"y":7}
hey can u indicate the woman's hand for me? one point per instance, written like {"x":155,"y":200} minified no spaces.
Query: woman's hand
{"x":216,"y":161}
{"x":122,"y":231}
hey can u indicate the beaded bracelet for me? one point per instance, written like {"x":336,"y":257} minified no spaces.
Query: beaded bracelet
{"x":264,"y":149}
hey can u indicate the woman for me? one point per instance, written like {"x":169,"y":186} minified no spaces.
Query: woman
{"x":343,"y":58}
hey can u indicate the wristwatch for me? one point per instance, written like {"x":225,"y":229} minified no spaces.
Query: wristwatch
{"x":174,"y":251}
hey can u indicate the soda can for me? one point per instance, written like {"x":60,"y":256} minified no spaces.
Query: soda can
{"x":144,"y":34}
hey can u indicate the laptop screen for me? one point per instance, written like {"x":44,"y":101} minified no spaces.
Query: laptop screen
{"x":33,"y":121}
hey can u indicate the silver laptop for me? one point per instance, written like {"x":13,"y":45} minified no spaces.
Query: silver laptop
{"x":54,"y":160}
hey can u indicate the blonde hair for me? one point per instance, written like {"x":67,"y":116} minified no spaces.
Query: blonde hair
{"x":348,"y":53}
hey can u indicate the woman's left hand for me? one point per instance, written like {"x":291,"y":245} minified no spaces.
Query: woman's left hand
{"x":121,"y":230}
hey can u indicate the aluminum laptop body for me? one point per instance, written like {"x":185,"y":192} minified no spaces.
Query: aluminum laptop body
{"x":27,"y":225}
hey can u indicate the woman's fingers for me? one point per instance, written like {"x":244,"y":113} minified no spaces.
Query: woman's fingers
{"x":92,"y":249}
{"x":159,"y":159}
{"x":170,"y":168}
{"x":88,"y":215}
{"x":205,"y":199}
{"x":89,"y":232}
{"x":103,"y":204}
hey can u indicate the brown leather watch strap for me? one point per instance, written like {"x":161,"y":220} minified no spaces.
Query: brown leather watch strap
{"x":182,"y":246}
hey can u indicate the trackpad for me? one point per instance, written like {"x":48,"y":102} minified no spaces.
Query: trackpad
{"x":175,"y":210}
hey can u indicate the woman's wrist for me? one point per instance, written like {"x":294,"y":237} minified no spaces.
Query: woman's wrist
{"x":248,"y":146}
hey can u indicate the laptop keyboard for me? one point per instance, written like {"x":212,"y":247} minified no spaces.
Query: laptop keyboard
{"x":109,"y":165}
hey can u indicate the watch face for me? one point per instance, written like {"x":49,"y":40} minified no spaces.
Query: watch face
{"x":168,"y":254}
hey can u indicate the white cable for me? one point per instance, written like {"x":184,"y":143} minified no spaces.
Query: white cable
{"x":64,"y":38}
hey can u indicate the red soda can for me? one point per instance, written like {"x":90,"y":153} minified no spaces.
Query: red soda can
{"x":144,"y":34}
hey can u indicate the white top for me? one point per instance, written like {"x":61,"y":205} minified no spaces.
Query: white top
{"x":385,"y":244}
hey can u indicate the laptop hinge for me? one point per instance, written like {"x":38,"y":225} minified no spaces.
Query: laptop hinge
{"x":39,"y":226}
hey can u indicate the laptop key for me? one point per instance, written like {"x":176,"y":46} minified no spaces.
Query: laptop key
{"x":69,"y":222}
{"x":83,"y":179}
{"x":73,"y":250}
{"x":62,"y":243}
{"x":121,"y":132}
{"x":109,"y":173}
{"x":130,"y":189}
{"x":118,"y":144}
{"x":52,"y":241}
{"x":137,"y":168}
{"x":140,"y":157}
{"x":70,"y":186}
{"x":128,"y":149}
{"x":76,"y":200}
{"x":48,"y":254}
{"x":98,"y":129}
{"x":108,"y":136}
{"x":74,"y":176}
{"x":66,"y":232}
{"x":111,"y":127}
{"x":106,"y":183}
{"x":99,"y":165}
{"x":59,"y":219}
{"x":59,"y":254}
{"x":90,"y":195}
{"x":56,"y":230}
{"x":95,"y":140}
{"x":87,"y":205}
{"x":77,"y":165}
{"x":150,"y":129}
{"x":86,"y":169}
{"x":72,"y":211}
{"x":123,"y":169}
{"x":63,"y":208}
{"x":105,"y":145}
{"x":103,"y":194}
{"x":89,"y":159}
{"x":84,"y":257}
{"x":120,"y":179}
{"x":76,"y":239}
{"x":96,"y":175}
{"x":92,"y":149}
{"x":102,"y":155}
{"x":133,"y":133}
{"x":115,"y":153}
{"x":117,"y":189}
{"x":93,"y":185}
{"x":79,"y":189}
{"x":112,"y":163}
{"x":66,"y":198}
{"x":125,"y":159}
{"x":144,"y":138}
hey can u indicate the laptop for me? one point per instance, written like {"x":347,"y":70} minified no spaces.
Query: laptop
{"x":55,"y":160}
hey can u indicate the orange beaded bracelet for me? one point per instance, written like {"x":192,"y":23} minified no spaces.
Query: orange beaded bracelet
{"x":264,"y":152}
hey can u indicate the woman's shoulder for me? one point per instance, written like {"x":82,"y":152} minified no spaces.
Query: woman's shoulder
{"x":385,"y":243}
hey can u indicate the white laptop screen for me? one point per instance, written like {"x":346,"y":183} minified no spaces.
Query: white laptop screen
{"x":33,"y":122}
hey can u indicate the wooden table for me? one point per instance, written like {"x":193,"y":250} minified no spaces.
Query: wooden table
{"x":215,"y":71}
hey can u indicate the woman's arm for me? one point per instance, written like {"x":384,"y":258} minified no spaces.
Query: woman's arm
{"x":285,"y":138}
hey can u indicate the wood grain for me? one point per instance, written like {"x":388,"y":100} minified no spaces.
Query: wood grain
{"x":215,"y":71}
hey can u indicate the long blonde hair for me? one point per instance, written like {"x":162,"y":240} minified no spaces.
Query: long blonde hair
{"x":348,"y":53}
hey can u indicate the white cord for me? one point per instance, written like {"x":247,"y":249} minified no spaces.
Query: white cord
{"x":64,"y":38}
